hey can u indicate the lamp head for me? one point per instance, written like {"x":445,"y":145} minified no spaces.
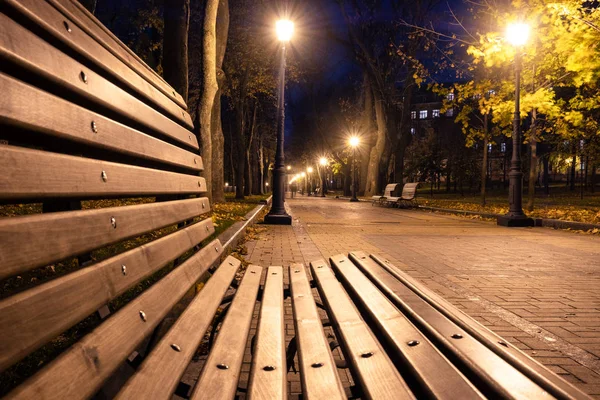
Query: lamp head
{"x":289,"y":167}
{"x":304,"y":174}
{"x":309,"y":170}
{"x":323,"y":161}
{"x":285,"y":30}
{"x":517,"y":34}
{"x":354,"y":141}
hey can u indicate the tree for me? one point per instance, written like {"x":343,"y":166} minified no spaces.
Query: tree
{"x":210,"y":87}
{"x":387,"y":54}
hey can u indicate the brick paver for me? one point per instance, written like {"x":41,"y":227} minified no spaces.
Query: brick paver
{"x":538,"y":288}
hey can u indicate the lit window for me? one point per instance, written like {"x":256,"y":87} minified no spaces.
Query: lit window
{"x":477,"y":96}
{"x":491,"y":92}
{"x":450,"y":96}
{"x":503,"y":147}
{"x":413,"y":115}
{"x":581,"y":143}
{"x":412,"y":131}
{"x":450,"y":112}
{"x":435,"y":113}
{"x":423,"y":114}
{"x":489,"y":148}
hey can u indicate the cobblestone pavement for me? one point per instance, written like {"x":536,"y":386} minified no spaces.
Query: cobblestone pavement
{"x":538,"y":288}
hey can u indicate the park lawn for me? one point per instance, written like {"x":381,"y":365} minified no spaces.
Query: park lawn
{"x":223,"y":214}
{"x":561,"y":204}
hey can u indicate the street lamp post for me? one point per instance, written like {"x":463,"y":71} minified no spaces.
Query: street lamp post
{"x":354,"y":141}
{"x":517,"y":35}
{"x":323,"y":162}
{"x":277,"y":215}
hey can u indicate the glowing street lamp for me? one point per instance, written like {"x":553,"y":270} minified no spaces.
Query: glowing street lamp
{"x":309,"y":170}
{"x":517,"y":35}
{"x":277,"y":214}
{"x":285,"y":30}
{"x":288,"y":167}
{"x":354,"y":141}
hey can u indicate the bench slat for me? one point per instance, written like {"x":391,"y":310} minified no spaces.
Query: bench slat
{"x":376,"y":373}
{"x":53,"y":22}
{"x":267,"y":383}
{"x":535,"y":371}
{"x":434,"y":374}
{"x":33,"y":241}
{"x":31,"y":318}
{"x":27,"y":107}
{"x":228,"y":350}
{"x":33,"y":54}
{"x":492,"y":375}
{"x":150,"y":380}
{"x":34,"y":174}
{"x":90,"y":24}
{"x":317,"y":366}
{"x":89,"y":362}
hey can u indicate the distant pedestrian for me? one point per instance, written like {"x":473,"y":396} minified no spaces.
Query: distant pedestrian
{"x":294,"y":187}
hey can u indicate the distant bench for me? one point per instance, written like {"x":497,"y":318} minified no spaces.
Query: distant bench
{"x":106,"y":147}
{"x":390,"y":196}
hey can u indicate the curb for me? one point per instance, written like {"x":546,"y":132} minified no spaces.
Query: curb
{"x":539,"y":222}
{"x":460,"y":212}
{"x":232,"y":236}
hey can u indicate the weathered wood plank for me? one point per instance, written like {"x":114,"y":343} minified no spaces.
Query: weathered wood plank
{"x":372,"y":367}
{"x":90,"y":24}
{"x":521,"y":361}
{"x":31,"y":318}
{"x":88,"y":363}
{"x":176,"y":349}
{"x":494,"y":376}
{"x":37,"y":240}
{"x":434,"y":374}
{"x":64,"y":29}
{"x":318,"y":370}
{"x":28,"y":51}
{"x":268,"y":375}
{"x":221,"y":371}
{"x":38,"y":174}
{"x":33,"y":109}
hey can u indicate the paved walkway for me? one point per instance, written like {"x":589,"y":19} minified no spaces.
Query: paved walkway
{"x":538,"y":288}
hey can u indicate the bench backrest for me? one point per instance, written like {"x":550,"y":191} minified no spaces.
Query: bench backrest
{"x":99,"y":152}
{"x":409,"y":191}
{"x":391,"y":190}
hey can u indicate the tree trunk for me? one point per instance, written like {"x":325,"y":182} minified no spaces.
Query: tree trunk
{"x":217,"y":138}
{"x":593,"y":183}
{"x":484,"y":163}
{"x":375,"y":158}
{"x":370,"y":133}
{"x":261,"y":164}
{"x":210,"y":88}
{"x":175,"y":45}
{"x":533,"y":161}
{"x":573,"y":164}
{"x":240,"y":170}
{"x":546,"y":176}
{"x":248,"y":174}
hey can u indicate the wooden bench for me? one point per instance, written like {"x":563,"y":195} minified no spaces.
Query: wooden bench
{"x":105,"y":147}
{"x":390,"y":190}
{"x":408,"y":197}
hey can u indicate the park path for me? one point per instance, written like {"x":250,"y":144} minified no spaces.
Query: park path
{"x":538,"y":288}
